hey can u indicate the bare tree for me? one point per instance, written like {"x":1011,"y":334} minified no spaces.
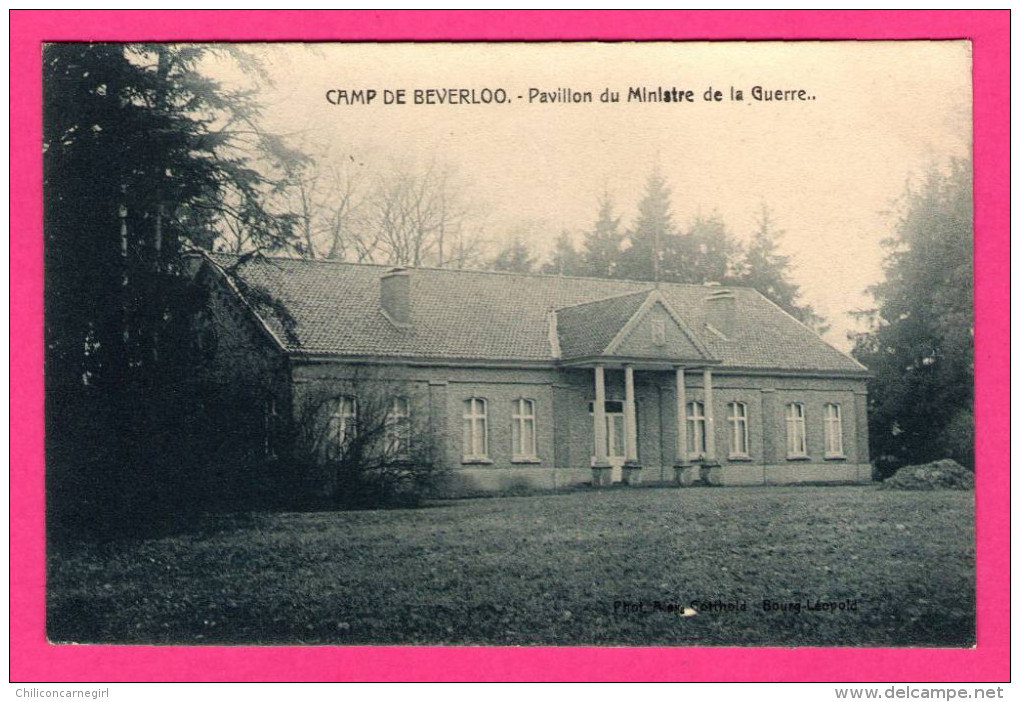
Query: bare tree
{"x":467,"y":248}
{"x":328,"y":196}
{"x":418,"y":217}
{"x":343,"y":214}
{"x":370,"y":439}
{"x":410,"y":214}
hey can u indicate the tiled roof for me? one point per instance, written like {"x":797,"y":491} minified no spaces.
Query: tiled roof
{"x":586,"y":329}
{"x":333,"y":308}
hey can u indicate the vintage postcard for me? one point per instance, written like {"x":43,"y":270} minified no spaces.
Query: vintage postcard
{"x":667,"y":345}
{"x":583,"y":344}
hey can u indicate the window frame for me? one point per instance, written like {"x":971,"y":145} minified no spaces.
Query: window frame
{"x":741,"y":420}
{"x":343,"y":425}
{"x":796,"y":427}
{"x":518,"y":421}
{"x":696,"y":437}
{"x":398,"y":428}
{"x":469,"y":414}
{"x":615,"y":407}
{"x":833,"y":430}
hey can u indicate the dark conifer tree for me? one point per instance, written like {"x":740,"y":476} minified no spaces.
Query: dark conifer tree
{"x":768,"y":271}
{"x":652,"y":232}
{"x":565,"y":259}
{"x":920,"y":345}
{"x":515,"y":257}
{"x":142,"y":157}
{"x":601,"y":252}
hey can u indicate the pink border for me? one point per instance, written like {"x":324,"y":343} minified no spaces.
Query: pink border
{"x":33,"y":659}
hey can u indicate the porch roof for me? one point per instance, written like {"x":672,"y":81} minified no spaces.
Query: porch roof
{"x":610,"y":329}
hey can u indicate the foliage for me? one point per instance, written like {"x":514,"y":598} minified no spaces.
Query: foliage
{"x":653,"y":228}
{"x":514,"y":257}
{"x":958,"y":436}
{"x":330,"y":196}
{"x":919,"y":344}
{"x":654,"y":248}
{"x":565,"y":259}
{"x":601,"y":254}
{"x":946,"y":474}
{"x":706,"y":252}
{"x":414,"y":214}
{"x":142,"y":157}
{"x":351,"y":207}
{"x":369,"y":452}
{"x":180,"y":450}
{"x":767,"y":271}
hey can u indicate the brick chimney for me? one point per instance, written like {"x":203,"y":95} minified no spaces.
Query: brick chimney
{"x":395,"y":296}
{"x":721,"y":312}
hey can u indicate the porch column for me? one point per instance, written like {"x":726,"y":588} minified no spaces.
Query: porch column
{"x":684,"y":473}
{"x":601,"y":471}
{"x":632,"y":468}
{"x":709,"y":419}
{"x":681,"y":417}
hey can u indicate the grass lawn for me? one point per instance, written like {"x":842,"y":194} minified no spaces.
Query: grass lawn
{"x":549,"y":569}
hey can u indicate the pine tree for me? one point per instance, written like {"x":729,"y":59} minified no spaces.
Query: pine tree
{"x":704,"y":253}
{"x":601,"y":254}
{"x":515,"y":257}
{"x":768,"y":271}
{"x":920,"y":345}
{"x":142,"y":157}
{"x":138,"y":166}
{"x":565,"y":259}
{"x":651,"y":233}
{"x":659,"y":251}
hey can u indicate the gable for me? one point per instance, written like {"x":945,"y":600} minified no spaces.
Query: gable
{"x":233,"y":344}
{"x":640,"y":325}
{"x":588,"y":329}
{"x":656,"y":334}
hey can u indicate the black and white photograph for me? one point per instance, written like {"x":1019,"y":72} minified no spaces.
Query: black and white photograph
{"x":509,"y":344}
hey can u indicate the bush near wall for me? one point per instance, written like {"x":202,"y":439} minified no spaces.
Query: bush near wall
{"x":945,"y":474}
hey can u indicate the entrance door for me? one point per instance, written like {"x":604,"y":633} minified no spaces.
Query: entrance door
{"x":616,"y":436}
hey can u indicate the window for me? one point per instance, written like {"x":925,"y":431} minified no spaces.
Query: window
{"x":270,"y":418}
{"x":738,"y":430}
{"x":398,"y":428}
{"x":523,"y":430}
{"x":833,"y":431}
{"x":796,"y":438}
{"x":695,"y":429}
{"x":343,"y":421}
{"x":615,"y":434}
{"x":476,"y":430}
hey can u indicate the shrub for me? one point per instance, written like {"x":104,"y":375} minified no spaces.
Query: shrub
{"x":945,"y":474}
{"x":369,"y":442}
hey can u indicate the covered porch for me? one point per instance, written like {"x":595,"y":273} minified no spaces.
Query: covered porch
{"x":637,"y":333}
{"x":616,"y":455}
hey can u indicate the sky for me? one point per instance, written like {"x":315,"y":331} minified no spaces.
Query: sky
{"x":831,"y":163}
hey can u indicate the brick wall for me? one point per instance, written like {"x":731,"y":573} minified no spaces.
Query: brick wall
{"x":440,"y":392}
{"x":765,"y":398}
{"x":241,"y":370}
{"x":640,"y":341}
{"x":564,"y":425}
